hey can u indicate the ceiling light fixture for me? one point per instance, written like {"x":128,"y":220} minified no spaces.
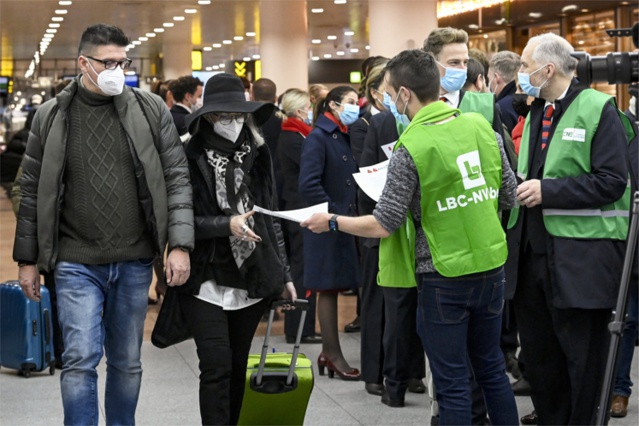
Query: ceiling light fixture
{"x":65,"y":3}
{"x":246,"y":58}
{"x":250,"y":34}
{"x":328,"y":56}
{"x":57,"y":19}
{"x":61,"y":11}
{"x":535,"y":15}
{"x":315,"y":58}
{"x":331,"y":37}
{"x":339,"y":1}
{"x":222,"y":65}
{"x":178,"y":18}
{"x":256,"y":56}
{"x":51,"y":30}
{"x":216,"y":45}
{"x":136,"y":42}
{"x":207,"y":48}
{"x":190,"y":11}
{"x":54,"y":25}
{"x":238,"y":38}
{"x":316,"y":41}
{"x":569,"y":8}
{"x":340,"y":53}
{"x":349,"y":33}
{"x":158,"y":30}
{"x":168,"y":24}
{"x":317,"y":10}
{"x":204,"y":2}
{"x":226,"y":42}
{"x":151,"y":34}
{"x":143,"y":38}
{"x":368,"y":47}
{"x":354,"y":50}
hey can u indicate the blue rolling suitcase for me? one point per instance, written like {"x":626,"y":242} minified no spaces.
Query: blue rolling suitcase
{"x":26,"y":337}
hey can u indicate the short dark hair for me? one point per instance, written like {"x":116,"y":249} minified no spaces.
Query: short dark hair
{"x":415,"y":70}
{"x":337,"y":94}
{"x":264,"y":90}
{"x":183,"y":85}
{"x":101,"y":35}
{"x":474,"y":69}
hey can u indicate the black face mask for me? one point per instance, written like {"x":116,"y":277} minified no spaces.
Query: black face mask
{"x":519,"y":104}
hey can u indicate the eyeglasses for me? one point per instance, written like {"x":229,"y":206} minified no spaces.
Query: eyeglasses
{"x":229,"y":118}
{"x":111,"y":65}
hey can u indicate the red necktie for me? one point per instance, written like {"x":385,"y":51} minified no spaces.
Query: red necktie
{"x":545,"y":125}
{"x":443,"y":99}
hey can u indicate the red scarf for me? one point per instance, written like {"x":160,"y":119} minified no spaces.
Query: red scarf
{"x":296,"y":125}
{"x":342,"y":128}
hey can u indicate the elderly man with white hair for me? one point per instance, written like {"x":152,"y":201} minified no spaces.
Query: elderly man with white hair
{"x":568,"y":231}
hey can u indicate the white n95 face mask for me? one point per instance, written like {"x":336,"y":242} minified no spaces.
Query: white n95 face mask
{"x":229,"y":131}
{"x":111,"y":82}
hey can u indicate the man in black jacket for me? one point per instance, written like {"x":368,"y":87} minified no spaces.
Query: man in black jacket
{"x":187,"y":97}
{"x":501,"y":75}
{"x":568,"y":232}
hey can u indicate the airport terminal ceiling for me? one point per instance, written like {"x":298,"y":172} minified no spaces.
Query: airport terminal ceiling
{"x":23,"y":23}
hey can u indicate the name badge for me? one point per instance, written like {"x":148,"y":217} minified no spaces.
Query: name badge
{"x":577,"y":135}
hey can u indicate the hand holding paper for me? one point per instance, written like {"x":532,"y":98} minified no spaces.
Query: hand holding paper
{"x":299,"y":215}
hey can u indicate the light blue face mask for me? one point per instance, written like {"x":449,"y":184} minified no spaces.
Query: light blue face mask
{"x":349,"y":115}
{"x":453,"y":80}
{"x":401,"y":120}
{"x":387,"y":101}
{"x":309,"y":119}
{"x":526,"y":85}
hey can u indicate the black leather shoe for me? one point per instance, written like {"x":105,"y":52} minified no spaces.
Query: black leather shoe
{"x":416,"y":386}
{"x":374,"y":388}
{"x":529,"y":419}
{"x":521,"y":387}
{"x":305,"y":339}
{"x":394,"y":403}
{"x":353,"y":327}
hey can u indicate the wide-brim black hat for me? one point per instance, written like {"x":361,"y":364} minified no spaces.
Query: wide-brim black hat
{"x":225,"y":93}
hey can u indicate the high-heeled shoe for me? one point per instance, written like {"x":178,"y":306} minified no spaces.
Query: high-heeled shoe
{"x":321,"y":363}
{"x":351,"y":375}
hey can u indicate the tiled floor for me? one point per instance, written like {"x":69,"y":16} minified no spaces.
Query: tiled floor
{"x":169,"y":393}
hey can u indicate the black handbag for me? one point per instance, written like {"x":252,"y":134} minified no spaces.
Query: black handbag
{"x":170,"y":327}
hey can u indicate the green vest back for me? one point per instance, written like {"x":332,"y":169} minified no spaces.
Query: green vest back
{"x":459,"y":167}
{"x":569,"y":155}
{"x":482,"y":103}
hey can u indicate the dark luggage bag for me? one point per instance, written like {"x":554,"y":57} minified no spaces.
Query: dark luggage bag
{"x":278,"y":385}
{"x":26,"y":337}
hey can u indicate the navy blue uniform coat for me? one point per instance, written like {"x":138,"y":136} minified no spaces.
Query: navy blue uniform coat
{"x":326,"y":175}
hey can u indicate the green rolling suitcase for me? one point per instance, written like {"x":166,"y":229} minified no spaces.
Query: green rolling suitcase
{"x":278,"y":385}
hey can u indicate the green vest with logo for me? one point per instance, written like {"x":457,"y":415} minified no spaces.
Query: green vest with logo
{"x":482,"y":103}
{"x":569,"y":155}
{"x":459,"y":167}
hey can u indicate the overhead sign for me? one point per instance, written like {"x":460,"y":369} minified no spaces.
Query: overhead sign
{"x":196,"y":60}
{"x":240,"y":69}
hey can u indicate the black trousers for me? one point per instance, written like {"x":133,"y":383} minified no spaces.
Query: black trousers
{"x":295,"y":249}
{"x":223,"y":340}
{"x":404,"y":357}
{"x":391,"y":348}
{"x":565,"y":349}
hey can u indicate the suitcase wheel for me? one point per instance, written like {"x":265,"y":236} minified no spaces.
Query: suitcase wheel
{"x":52,"y":369}
{"x":25,"y":372}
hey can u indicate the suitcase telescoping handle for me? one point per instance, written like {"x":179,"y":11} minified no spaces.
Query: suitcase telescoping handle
{"x":297,"y":304}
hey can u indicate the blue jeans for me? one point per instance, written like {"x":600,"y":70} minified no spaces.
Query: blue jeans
{"x":623,"y":383}
{"x":102,"y":306}
{"x":460,"y":319}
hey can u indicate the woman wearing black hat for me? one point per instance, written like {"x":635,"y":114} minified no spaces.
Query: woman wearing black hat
{"x":239,"y":262}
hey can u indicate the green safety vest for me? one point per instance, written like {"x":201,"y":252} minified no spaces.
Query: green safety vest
{"x":459,"y":167}
{"x":483,"y":103}
{"x":569,"y":155}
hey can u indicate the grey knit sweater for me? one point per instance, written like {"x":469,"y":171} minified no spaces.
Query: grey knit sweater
{"x":402,"y":193}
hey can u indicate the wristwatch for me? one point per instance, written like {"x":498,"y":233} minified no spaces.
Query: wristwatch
{"x":332,"y":223}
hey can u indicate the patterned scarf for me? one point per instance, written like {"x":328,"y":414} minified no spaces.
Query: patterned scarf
{"x":230,"y":176}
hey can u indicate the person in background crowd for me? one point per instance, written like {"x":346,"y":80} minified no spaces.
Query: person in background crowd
{"x":297,"y":107}
{"x":449,"y":46}
{"x":239,"y":260}
{"x":454,"y":274}
{"x":330,"y":261}
{"x":623,"y":385}
{"x":247,"y":88}
{"x":187,"y":95}
{"x":521,"y":105}
{"x":97,"y":206}
{"x":568,"y":231}
{"x":161,"y":88}
{"x":316,"y":92}
{"x":391,"y":349}
{"x":475,"y":77}
{"x":502,"y":74}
